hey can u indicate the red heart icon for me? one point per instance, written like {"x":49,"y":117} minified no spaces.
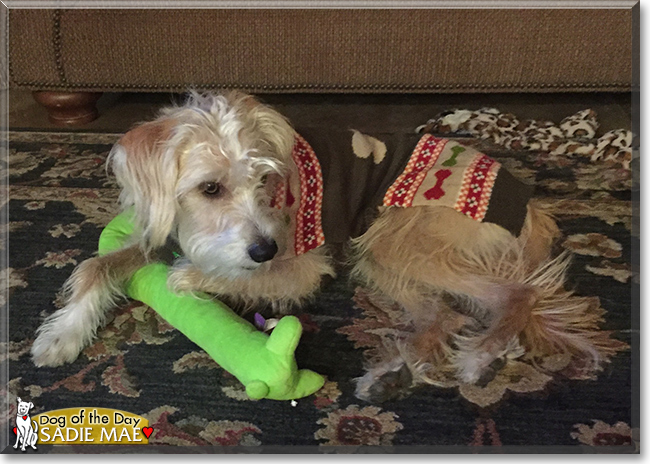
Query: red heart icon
{"x":147,"y":431}
{"x":24,"y":417}
{"x":15,"y":430}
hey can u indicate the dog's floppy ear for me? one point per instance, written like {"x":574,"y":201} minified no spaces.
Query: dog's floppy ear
{"x":18,"y":400}
{"x":31,"y":405}
{"x":145,"y":163}
{"x":276,"y":130}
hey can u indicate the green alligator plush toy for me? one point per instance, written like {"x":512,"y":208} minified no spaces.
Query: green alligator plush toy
{"x":264,"y":364}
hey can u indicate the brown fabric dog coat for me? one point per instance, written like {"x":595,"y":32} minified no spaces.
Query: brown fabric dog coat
{"x":338,"y":194}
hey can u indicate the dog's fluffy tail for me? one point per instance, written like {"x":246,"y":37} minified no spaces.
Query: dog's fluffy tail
{"x":561,"y":324}
{"x":538,"y":234}
{"x":564,"y":325}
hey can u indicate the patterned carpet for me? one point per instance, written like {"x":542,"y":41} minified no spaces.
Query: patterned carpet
{"x":60,"y":198}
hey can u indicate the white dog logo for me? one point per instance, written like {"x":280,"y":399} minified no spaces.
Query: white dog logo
{"x":26,"y":429}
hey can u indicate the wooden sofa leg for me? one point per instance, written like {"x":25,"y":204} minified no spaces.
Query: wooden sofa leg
{"x":69,"y":108}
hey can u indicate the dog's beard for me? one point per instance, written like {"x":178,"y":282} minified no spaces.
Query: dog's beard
{"x":225,"y":254}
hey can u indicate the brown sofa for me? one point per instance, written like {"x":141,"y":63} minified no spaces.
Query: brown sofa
{"x":67,"y":56}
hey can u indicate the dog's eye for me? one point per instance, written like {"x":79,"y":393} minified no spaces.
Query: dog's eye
{"x":211,"y":188}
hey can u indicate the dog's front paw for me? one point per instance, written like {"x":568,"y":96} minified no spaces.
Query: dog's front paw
{"x":63,"y":335}
{"x":388,"y":381}
{"x":53,"y":349}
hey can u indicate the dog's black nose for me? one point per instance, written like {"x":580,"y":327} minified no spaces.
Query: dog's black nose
{"x":262,"y":250}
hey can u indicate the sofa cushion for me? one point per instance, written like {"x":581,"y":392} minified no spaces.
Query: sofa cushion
{"x":447,"y":50}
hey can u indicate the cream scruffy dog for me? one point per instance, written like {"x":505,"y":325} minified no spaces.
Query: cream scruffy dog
{"x":230,"y":182}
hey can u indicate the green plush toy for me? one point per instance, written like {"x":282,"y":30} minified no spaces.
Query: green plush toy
{"x":264,"y":364}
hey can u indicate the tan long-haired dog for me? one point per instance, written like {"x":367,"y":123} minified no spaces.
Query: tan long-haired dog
{"x":229,"y":181}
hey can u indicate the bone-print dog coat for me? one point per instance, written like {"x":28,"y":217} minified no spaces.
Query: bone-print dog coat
{"x":337,"y":194}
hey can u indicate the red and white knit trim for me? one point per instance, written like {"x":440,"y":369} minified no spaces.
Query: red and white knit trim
{"x":424,"y":156}
{"x":309,"y":229}
{"x":477,"y":187}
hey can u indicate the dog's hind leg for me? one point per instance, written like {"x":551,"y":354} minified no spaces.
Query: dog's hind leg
{"x":427,"y":349}
{"x":439,"y":250}
{"x":509,"y":307}
{"x":502,"y":306}
{"x":91,"y":291}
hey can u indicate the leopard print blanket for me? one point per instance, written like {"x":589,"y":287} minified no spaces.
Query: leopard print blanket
{"x":575,"y":135}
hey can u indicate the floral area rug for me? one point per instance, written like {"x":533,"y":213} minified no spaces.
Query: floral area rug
{"x":60,"y":198}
